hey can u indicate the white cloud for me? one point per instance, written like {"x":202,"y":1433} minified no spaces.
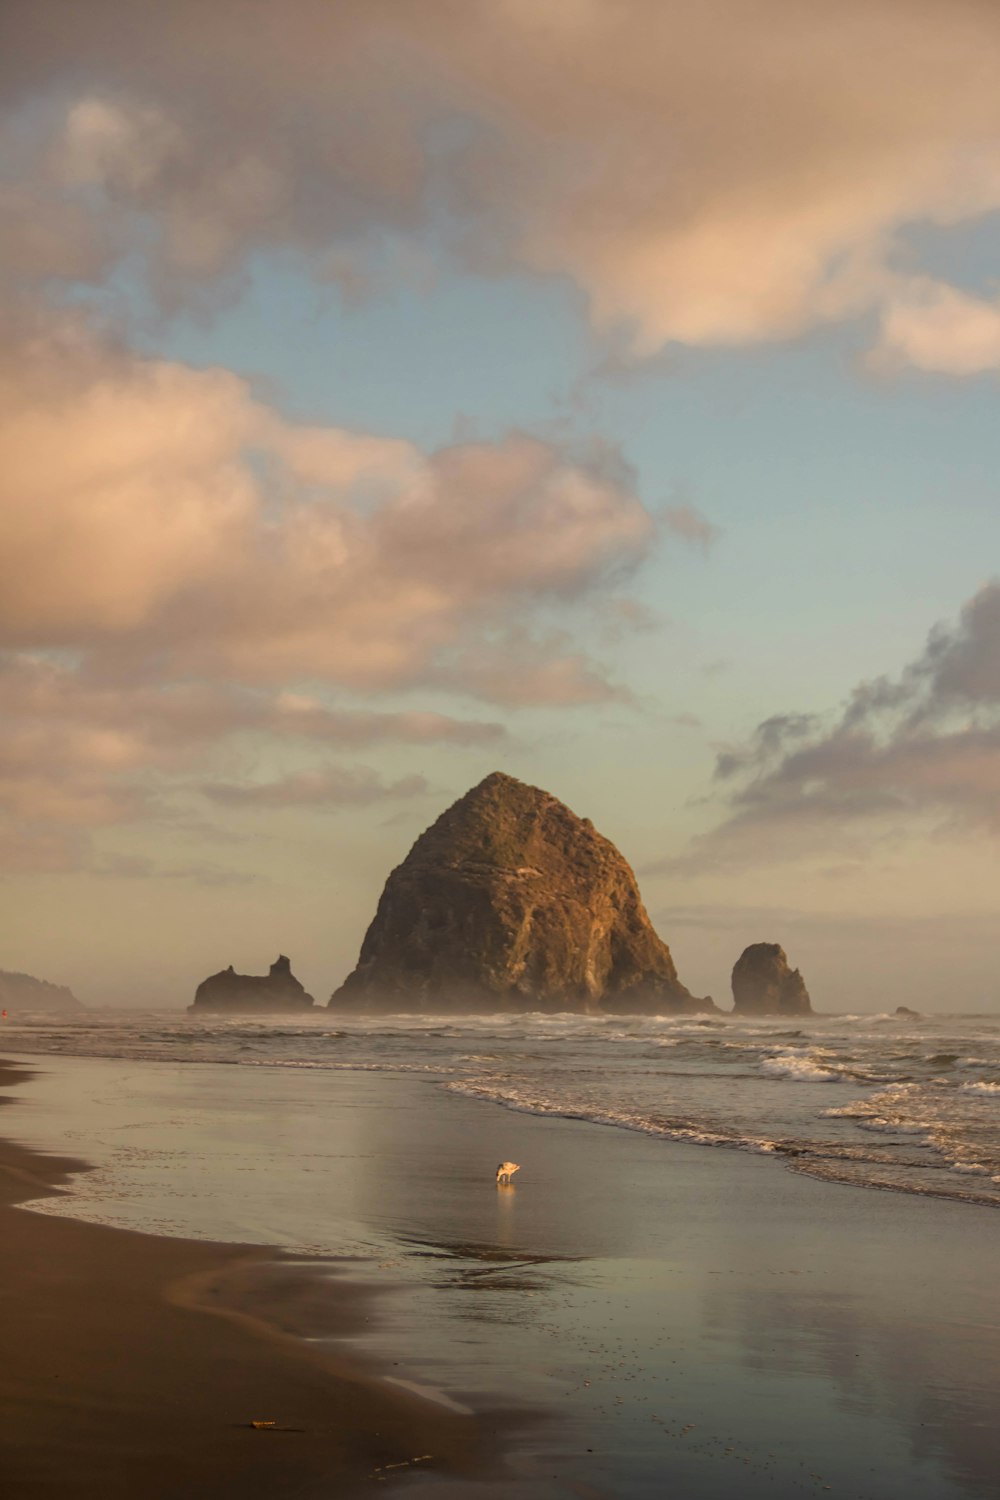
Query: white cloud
{"x":934,"y":327}
{"x":84,"y":749}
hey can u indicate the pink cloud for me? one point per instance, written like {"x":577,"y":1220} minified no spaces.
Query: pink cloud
{"x":718,"y":174}
{"x":928,"y":325}
{"x":137,"y":514}
{"x":77,"y":748}
{"x":182,"y":569}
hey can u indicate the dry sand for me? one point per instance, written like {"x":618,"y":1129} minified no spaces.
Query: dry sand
{"x":131,"y":1366}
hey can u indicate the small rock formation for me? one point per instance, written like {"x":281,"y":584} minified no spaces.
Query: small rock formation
{"x":904,"y":1011}
{"x":25,"y":992}
{"x":277,"y":990}
{"x":764,"y":985}
{"x":510,"y":902}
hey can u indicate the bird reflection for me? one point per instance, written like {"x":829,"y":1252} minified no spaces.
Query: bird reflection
{"x":506,"y":1199}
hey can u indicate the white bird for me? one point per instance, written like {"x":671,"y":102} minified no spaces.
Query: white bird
{"x":506,"y":1170}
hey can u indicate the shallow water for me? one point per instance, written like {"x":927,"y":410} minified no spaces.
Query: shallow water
{"x":910,"y":1104}
{"x":694,"y":1322}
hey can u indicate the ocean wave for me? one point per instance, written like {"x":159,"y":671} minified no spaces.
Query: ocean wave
{"x":864,"y":1166}
{"x":692,"y":1132}
{"x":800,"y":1067}
{"x":828,"y":1172}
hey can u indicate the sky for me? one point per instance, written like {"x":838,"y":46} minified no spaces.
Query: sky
{"x":394,"y":391}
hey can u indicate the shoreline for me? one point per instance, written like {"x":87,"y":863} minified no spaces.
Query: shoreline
{"x":133,"y":1364}
{"x":641,"y":1314}
{"x":920,"y":1084}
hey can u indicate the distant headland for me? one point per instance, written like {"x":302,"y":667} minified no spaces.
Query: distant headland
{"x":25,"y":992}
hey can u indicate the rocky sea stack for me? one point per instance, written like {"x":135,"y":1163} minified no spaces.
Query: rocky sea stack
{"x":510,"y":902}
{"x":764,"y":985}
{"x":277,"y":990}
{"x":25,"y":992}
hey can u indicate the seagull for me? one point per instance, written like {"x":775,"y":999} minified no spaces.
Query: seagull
{"x":506,"y":1170}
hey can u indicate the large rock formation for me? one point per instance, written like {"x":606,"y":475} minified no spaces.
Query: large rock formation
{"x":764,"y":985}
{"x":25,"y":992}
{"x":277,"y":990}
{"x":511,"y":902}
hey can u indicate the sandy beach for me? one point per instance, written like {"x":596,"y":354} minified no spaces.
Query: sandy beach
{"x":134,"y":1365}
{"x":633,"y":1314}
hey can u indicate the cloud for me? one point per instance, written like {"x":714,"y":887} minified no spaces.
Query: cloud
{"x":164,"y":515}
{"x":184,"y":572}
{"x":522,"y":670}
{"x":139,"y":867}
{"x":182,"y":569}
{"x":29,"y":849}
{"x":931,"y":326}
{"x":306,"y":716}
{"x":691,"y":526}
{"x":77,"y":748}
{"x":333,"y":786}
{"x":767,"y":740}
{"x":162,"y":723}
{"x":712,"y":174}
{"x":627,"y":616}
{"x":920,"y":748}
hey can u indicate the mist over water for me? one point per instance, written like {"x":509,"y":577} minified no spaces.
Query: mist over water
{"x":911,"y":1104}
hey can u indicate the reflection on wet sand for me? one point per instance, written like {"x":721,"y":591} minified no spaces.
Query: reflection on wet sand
{"x":486,"y":1269}
{"x":933,"y":1376}
{"x":691,"y":1320}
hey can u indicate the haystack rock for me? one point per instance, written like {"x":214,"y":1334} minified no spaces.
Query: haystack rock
{"x":25,"y":992}
{"x":510,"y":902}
{"x":764,"y":985}
{"x":278,"y":990}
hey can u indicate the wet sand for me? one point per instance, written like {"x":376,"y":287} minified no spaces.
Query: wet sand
{"x":650,"y":1317}
{"x":132,"y":1365}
